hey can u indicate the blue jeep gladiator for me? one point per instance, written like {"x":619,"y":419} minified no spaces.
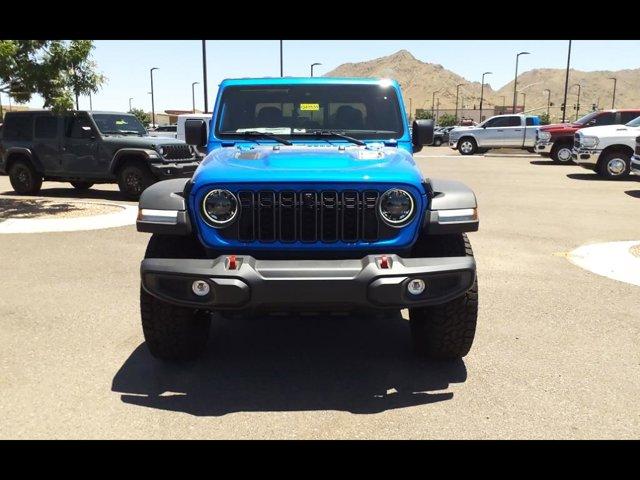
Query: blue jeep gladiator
{"x":308,"y":201}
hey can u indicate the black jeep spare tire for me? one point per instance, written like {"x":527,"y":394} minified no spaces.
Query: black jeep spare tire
{"x":445,"y":331}
{"x":133,"y":178}
{"x":24,"y":178}
{"x":172,"y":332}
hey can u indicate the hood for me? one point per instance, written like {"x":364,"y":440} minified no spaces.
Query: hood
{"x":610,"y":131}
{"x":132,"y":141}
{"x":560,"y":127}
{"x":308,"y":164}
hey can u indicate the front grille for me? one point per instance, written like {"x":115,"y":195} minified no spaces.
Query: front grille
{"x":576,"y":141}
{"x":176,"y":152}
{"x":308,"y":216}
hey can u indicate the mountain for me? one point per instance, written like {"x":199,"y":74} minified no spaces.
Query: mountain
{"x":420,"y":79}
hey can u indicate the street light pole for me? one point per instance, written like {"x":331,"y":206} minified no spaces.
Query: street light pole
{"x":613,"y":101}
{"x":410,"y":108}
{"x":437,"y":111}
{"x":193,"y":96}
{"x":566,"y":84}
{"x":90,"y":103}
{"x":130,"y":108}
{"x":482,"y":92}
{"x":281,"y":69}
{"x":578,"y":102}
{"x":524,"y":100}
{"x":313,"y":65}
{"x":204,"y":75}
{"x":457,"y":94}
{"x":515,"y":81}
{"x":433,"y":101}
{"x":548,"y":100}
{"x":153,"y":108}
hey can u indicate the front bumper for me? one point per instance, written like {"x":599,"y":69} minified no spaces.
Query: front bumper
{"x":635,"y":164}
{"x":543,"y":147}
{"x":453,"y":143}
{"x":175,"y":169}
{"x":307,"y":285}
{"x":586,"y":158}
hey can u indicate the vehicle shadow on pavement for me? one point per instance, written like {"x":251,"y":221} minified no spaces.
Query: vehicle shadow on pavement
{"x":79,"y":194}
{"x":551,"y":163}
{"x":595,"y":177}
{"x":633,"y":193}
{"x":354,"y":364}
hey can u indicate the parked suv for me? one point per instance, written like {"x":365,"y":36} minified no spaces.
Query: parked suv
{"x":501,"y":131}
{"x":556,"y":140}
{"x":606,"y":150}
{"x":85,"y":148}
{"x":309,"y":201}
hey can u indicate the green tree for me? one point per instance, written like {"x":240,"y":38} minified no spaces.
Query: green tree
{"x":447,"y":120}
{"x":544,"y":118}
{"x":56,"y":70}
{"x":144,"y":117}
{"x":422,"y":114}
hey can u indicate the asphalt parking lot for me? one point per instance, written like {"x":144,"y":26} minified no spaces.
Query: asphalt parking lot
{"x":556,"y":353}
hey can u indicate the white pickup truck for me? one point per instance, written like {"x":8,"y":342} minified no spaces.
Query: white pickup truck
{"x":501,"y":131}
{"x":607,"y":150}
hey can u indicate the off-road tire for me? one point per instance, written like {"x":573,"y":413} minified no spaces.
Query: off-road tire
{"x":171,"y":332}
{"x":464,"y":151}
{"x":446,"y":331}
{"x":133,"y":178}
{"x":80,"y":186}
{"x":24,"y":178}
{"x":603,"y":170}
{"x":559,"y":153}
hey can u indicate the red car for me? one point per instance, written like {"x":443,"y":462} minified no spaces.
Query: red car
{"x":556,"y":140}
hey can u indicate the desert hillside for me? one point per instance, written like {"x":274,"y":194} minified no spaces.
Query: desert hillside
{"x":419,"y":80}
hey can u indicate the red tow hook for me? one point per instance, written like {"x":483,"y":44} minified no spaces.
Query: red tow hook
{"x":231,"y":262}
{"x":384,"y":262}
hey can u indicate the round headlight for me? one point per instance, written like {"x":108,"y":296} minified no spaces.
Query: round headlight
{"x":220,"y":207}
{"x":396,"y":206}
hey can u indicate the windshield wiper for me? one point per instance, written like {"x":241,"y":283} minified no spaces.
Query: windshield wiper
{"x":333,"y":133}
{"x":255,"y":133}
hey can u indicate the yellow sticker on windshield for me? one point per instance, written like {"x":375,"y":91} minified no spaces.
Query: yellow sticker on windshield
{"x":309,"y":107}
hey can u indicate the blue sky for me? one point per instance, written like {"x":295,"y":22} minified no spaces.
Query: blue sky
{"x":126,"y":63}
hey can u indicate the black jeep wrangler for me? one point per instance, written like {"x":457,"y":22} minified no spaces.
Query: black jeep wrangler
{"x":85,"y":148}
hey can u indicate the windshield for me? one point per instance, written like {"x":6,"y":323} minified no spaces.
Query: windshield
{"x":113,"y":123}
{"x":360,"y":111}
{"x":584,"y":120}
{"x":634,"y":123}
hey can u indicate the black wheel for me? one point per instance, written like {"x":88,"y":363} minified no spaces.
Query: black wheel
{"x":614,"y":165}
{"x":445,"y":331}
{"x":82,"y":185}
{"x":437,"y":142}
{"x":467,"y":146}
{"x":561,"y":153}
{"x":133,"y":178}
{"x":171,"y":332}
{"x":530,"y":149}
{"x":24,"y":178}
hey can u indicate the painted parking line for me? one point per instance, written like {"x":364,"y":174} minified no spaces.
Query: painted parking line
{"x":612,"y":260}
{"x":125,"y":216}
{"x":448,"y":156}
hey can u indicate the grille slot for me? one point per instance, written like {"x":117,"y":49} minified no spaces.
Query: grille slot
{"x":176,"y":152}
{"x":308,"y":216}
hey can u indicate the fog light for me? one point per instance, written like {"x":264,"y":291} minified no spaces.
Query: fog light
{"x":200,"y":288}
{"x":416,"y":286}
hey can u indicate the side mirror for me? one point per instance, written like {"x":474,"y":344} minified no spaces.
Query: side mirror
{"x":421,"y":134}
{"x":195,"y":132}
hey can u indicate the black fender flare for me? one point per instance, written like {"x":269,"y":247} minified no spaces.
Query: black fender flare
{"x":449,"y":195}
{"x":23,"y":152}
{"x":162,"y":208}
{"x":146,"y":154}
